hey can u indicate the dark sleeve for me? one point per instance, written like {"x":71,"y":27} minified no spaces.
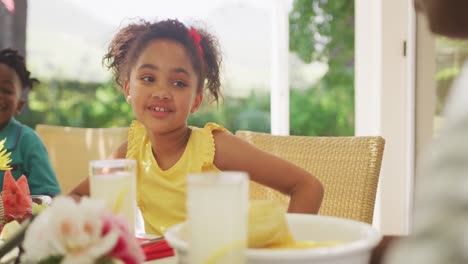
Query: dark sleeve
{"x":37,"y":166}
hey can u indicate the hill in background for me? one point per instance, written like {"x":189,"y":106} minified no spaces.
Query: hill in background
{"x":67,"y":40}
{"x":64,"y":41}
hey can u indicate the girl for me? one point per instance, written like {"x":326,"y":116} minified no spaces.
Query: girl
{"x":163,"y":69}
{"x":28,"y":153}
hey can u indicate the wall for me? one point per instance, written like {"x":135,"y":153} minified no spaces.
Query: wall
{"x":385,"y":102}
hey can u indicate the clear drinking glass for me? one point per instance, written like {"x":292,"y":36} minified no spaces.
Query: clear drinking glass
{"x":217,"y":207}
{"x":114,"y":181}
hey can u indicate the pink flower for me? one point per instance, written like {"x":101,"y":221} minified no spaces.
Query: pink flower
{"x":10,"y":5}
{"x":126,"y":248}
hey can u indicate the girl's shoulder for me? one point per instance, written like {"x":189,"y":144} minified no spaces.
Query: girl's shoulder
{"x":215,"y":127}
{"x":206,"y":132}
{"x":135,"y":138}
{"x":203,"y":142}
{"x":137,"y":127}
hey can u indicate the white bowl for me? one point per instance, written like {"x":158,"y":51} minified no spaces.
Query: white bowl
{"x":358,"y":240}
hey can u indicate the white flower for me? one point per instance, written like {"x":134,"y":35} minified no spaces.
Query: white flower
{"x":69,"y":229}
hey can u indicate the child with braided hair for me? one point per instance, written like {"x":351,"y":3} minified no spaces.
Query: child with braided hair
{"x":163,"y":69}
{"x":28,"y":153}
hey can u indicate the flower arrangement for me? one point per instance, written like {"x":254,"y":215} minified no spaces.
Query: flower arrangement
{"x":15,"y":198}
{"x":4,"y":156}
{"x":71,"y":232}
{"x":67,"y":232}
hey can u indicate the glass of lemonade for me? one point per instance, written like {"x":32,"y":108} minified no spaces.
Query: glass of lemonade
{"x":217,"y":207}
{"x":114,"y":181}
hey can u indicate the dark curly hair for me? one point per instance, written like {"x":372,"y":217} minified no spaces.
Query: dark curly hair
{"x":14,"y":60}
{"x":131,"y":40}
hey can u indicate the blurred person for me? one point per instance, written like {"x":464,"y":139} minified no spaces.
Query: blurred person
{"x":440,"y":227}
{"x":28,"y":153}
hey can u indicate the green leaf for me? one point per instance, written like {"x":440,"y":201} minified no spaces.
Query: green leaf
{"x":52,"y":260}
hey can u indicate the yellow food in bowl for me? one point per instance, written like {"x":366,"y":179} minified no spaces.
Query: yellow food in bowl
{"x":267,"y":224}
{"x":268,"y":228}
{"x":303,"y":244}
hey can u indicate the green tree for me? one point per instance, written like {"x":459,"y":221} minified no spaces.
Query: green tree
{"x":78,"y":104}
{"x":250,"y":113}
{"x":323,"y":30}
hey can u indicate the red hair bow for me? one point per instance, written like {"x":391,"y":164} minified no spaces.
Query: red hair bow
{"x":196,"y":38}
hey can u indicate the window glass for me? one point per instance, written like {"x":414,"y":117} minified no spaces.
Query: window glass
{"x":451,"y":55}
{"x":66,"y":40}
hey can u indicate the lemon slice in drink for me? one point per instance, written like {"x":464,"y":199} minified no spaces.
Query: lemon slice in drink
{"x":119,"y":201}
{"x":226,"y":251}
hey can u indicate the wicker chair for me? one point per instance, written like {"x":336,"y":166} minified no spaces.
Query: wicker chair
{"x":71,"y":148}
{"x":348,"y":168}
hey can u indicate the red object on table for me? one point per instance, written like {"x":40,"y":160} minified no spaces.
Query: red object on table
{"x":16,"y":198}
{"x":156,"y":250}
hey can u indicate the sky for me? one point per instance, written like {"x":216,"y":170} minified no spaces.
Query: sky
{"x":113,"y":11}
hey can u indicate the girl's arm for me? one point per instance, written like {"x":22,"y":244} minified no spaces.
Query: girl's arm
{"x":233,"y":153}
{"x":82,"y":189}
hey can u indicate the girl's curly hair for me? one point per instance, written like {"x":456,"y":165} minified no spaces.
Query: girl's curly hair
{"x":130,"y":41}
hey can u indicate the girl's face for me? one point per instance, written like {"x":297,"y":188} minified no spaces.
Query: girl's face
{"x":162,"y":87}
{"x":10,"y":94}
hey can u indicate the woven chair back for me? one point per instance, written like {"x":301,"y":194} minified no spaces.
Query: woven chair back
{"x":348,"y":168}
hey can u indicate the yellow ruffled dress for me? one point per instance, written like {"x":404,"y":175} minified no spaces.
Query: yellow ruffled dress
{"x":161,"y":193}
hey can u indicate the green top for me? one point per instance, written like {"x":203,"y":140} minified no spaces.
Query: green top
{"x":29,"y":157}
